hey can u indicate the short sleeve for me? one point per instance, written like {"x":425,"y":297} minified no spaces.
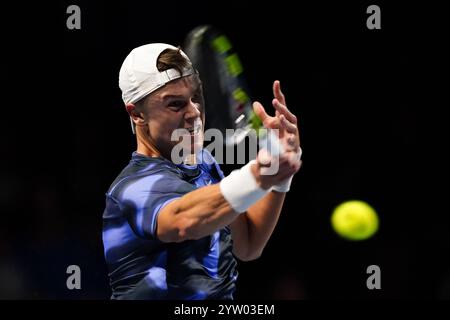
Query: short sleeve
{"x":141,"y":200}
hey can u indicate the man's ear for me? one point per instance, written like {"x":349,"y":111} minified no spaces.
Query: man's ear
{"x":136,"y":116}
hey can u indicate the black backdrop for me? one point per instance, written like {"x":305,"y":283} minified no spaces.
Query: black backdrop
{"x":359,"y":95}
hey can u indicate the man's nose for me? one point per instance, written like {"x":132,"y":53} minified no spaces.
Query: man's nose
{"x":193,"y":110}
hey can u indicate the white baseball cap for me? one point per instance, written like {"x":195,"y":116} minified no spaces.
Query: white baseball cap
{"x":139,"y":75}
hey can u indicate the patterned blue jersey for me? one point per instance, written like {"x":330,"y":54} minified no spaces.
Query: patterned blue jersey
{"x":142,"y":267}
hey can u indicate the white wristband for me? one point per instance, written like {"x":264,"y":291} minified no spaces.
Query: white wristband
{"x":240,"y":188}
{"x":285,"y":185}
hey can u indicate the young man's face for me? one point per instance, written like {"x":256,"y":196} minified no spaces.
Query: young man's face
{"x":177,"y":105}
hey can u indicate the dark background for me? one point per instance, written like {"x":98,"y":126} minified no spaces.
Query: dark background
{"x":366,"y":113}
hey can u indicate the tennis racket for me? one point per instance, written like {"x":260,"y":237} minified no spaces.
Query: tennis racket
{"x":228,"y":103}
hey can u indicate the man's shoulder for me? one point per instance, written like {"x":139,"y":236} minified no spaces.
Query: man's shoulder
{"x":151,"y":176}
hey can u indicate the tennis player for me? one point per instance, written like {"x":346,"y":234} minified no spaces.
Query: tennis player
{"x":173,"y":231}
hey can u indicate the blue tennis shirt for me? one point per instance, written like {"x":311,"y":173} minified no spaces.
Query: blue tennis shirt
{"x":142,"y":267}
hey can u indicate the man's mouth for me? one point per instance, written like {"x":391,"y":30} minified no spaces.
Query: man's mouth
{"x":195,"y":129}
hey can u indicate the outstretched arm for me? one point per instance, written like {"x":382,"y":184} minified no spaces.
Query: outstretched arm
{"x":251,"y":231}
{"x":203,"y":211}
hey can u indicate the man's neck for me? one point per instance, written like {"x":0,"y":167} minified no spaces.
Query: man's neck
{"x":147,"y":149}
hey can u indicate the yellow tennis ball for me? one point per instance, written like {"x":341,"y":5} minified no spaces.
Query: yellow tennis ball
{"x":355,"y":220}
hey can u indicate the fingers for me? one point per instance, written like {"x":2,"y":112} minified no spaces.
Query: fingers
{"x":294,"y":159}
{"x":272,"y":123}
{"x":288,"y":168}
{"x":264,"y":158}
{"x":278,"y":172}
{"x":290,"y":159}
{"x":274,"y":170}
{"x":288,"y":126}
{"x":292,"y":137}
{"x":282,"y":109}
{"x":277,"y":92}
{"x":259,"y":111}
{"x":278,"y":95}
{"x":268,"y":121}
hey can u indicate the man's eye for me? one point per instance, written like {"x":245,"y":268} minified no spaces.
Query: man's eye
{"x":177,"y":104}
